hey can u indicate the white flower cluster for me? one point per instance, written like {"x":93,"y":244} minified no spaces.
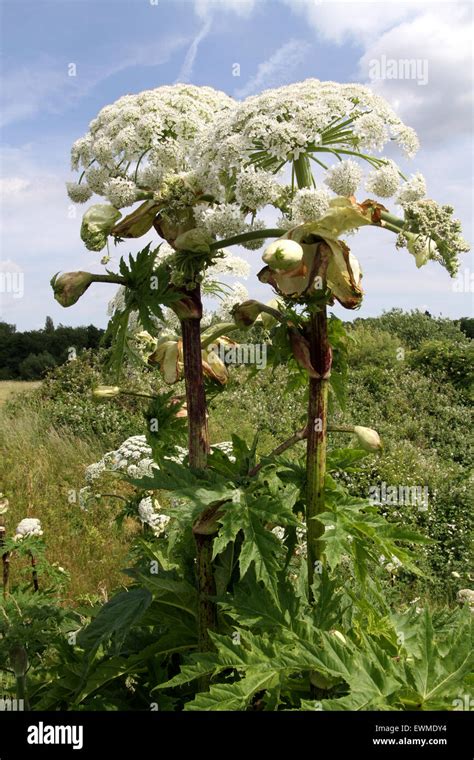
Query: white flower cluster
{"x":309,"y":204}
{"x":29,"y":526}
{"x":392,"y":566}
{"x":254,"y":189}
{"x":281,"y":124}
{"x":137,"y":140}
{"x":229,"y":265}
{"x":237,"y":294}
{"x":344,"y":177}
{"x":149,"y":514}
{"x":222,"y":221}
{"x":184,"y":144}
{"x":412,"y":190}
{"x":133,"y":457}
{"x":384,"y":181}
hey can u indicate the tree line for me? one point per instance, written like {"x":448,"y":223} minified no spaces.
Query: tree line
{"x":29,"y":355}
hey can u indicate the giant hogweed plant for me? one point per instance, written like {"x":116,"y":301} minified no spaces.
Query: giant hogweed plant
{"x":253,"y":588}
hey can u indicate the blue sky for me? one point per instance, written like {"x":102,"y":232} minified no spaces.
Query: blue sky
{"x":124,"y":46}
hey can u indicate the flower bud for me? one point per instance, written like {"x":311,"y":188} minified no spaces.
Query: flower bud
{"x":97,"y":224}
{"x":195,"y":240}
{"x":368,"y":439}
{"x":106,"y":391}
{"x":169,"y":357}
{"x":246,"y":313}
{"x":420,"y":246}
{"x":283,"y":255}
{"x":70,"y":286}
{"x":138,"y":222}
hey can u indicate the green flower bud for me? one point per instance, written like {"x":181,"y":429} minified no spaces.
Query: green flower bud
{"x":97,"y":224}
{"x":138,"y":222}
{"x":246,"y":313}
{"x":195,"y":240}
{"x":283,"y":255}
{"x":368,"y":439}
{"x":69,"y":287}
{"x":106,"y":391}
{"x":420,"y":246}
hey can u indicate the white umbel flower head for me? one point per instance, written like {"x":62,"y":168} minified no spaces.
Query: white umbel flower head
{"x":29,"y":526}
{"x":412,"y":190}
{"x":222,"y":221}
{"x":383,"y":182}
{"x":255,"y":189}
{"x":121,"y":192}
{"x":344,"y":178}
{"x":309,"y":204}
{"x":78,"y":193}
{"x":141,"y":138}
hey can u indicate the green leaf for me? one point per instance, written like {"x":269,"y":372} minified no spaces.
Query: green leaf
{"x":115,"y":619}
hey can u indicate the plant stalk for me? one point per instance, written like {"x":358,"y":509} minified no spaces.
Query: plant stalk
{"x":317,"y":440}
{"x":320,"y":354}
{"x":198,"y":437}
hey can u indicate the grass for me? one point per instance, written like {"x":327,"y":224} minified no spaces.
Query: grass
{"x":41,"y":472}
{"x":9,"y":388}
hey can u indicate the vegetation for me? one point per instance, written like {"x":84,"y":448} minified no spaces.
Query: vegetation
{"x":64,"y":426}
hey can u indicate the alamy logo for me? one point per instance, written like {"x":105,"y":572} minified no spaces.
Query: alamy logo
{"x":412,"y":496}
{"x":42,"y":734}
{"x":7,"y":704}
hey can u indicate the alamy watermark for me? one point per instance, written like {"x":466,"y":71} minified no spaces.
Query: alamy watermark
{"x":8,"y":704}
{"x":12,"y":282}
{"x":412,"y":496}
{"x":243,"y":353}
{"x":399,"y":68}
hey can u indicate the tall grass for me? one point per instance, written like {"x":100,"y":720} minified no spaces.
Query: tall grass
{"x":41,"y":472}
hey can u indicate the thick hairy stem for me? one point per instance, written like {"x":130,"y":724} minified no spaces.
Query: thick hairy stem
{"x":5,"y":563}
{"x":317,"y":438}
{"x":198,"y":450}
{"x":21,"y":693}
{"x":320,"y":355}
{"x":34,"y":572}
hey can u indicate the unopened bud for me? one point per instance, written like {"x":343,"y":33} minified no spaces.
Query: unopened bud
{"x":70,"y":286}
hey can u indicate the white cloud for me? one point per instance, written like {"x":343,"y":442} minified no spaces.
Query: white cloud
{"x":242,"y":7}
{"x":278,"y":69}
{"x":441,"y":41}
{"x":360,"y":22}
{"x":186,"y":71}
{"x":45,"y":85}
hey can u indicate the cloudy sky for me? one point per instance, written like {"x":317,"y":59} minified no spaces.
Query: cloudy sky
{"x":124,"y":46}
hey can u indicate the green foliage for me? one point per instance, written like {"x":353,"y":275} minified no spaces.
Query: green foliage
{"x":444,"y":360}
{"x":28,"y":355}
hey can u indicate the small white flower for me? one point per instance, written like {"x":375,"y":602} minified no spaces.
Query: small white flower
{"x":412,"y":190}
{"x":309,"y":204}
{"x":78,"y":193}
{"x":384,"y":181}
{"x":29,"y":526}
{"x":255,"y":189}
{"x":344,"y":178}
{"x":121,"y":192}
